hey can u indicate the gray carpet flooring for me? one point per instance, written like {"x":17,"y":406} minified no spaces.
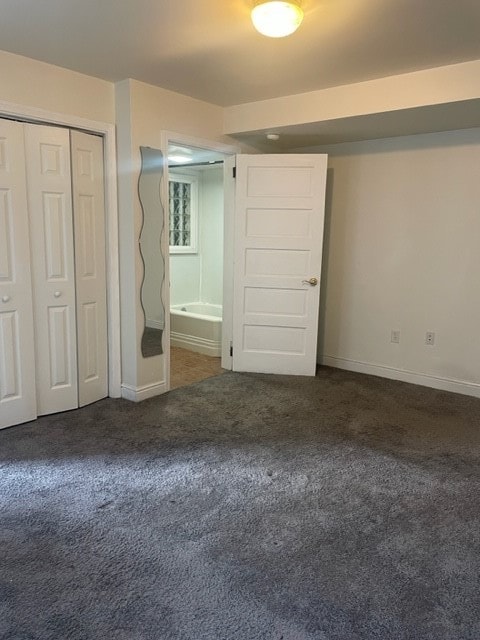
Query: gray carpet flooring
{"x":251,"y":507}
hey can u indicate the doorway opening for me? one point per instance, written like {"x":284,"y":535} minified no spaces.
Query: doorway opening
{"x":196,"y":263}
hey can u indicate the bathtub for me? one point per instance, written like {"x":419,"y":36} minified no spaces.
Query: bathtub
{"x":198,"y":327}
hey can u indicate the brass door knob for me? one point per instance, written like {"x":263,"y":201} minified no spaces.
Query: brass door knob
{"x":312,"y":282}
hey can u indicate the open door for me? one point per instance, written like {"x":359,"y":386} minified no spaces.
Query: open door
{"x":278,"y":238}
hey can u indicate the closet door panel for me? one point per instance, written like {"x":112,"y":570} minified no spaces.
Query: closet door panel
{"x":51,"y":227}
{"x":89,"y":225}
{"x":17,"y":371}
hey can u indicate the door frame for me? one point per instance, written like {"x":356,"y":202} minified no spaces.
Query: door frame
{"x":172,"y":137}
{"x":106,"y":130}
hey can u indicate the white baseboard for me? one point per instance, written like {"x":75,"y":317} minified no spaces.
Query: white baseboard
{"x":155,"y":324}
{"x":137,"y":394}
{"x":425,"y":380}
{"x":199,"y":345}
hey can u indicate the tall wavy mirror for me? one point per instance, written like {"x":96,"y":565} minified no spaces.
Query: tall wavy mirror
{"x":151,"y":174}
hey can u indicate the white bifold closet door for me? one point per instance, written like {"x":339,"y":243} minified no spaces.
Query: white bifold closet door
{"x":53,"y":336}
{"x":53,"y":266}
{"x":91,"y":286}
{"x":67,"y":225}
{"x":17,"y":364}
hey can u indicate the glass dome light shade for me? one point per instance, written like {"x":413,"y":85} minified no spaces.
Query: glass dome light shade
{"x":277,"y":18}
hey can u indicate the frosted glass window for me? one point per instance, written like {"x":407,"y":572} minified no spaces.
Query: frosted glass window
{"x":183,"y":199}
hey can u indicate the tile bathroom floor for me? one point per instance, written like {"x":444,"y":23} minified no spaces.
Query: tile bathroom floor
{"x":187,"y":367}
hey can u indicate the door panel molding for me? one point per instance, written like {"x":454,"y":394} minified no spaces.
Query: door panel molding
{"x":10,"y":350}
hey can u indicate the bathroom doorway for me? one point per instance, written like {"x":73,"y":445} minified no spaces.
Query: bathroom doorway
{"x":196,"y":232}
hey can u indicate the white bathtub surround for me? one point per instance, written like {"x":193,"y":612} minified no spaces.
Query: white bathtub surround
{"x":197,"y":326}
{"x":199,"y":275}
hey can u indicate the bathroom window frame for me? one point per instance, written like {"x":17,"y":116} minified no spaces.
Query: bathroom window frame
{"x":193,"y":181}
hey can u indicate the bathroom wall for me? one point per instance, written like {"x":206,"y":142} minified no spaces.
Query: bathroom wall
{"x":199,"y":276}
{"x":185,"y":268}
{"x":211,"y":236}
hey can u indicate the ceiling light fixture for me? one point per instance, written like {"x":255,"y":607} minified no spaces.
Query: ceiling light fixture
{"x":275,"y":18}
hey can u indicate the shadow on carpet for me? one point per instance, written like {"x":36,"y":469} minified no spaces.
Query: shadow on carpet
{"x":341,"y":507}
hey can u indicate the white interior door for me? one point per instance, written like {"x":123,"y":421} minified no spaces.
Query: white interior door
{"x":53,"y":272}
{"x":279,"y":221}
{"x":89,"y":227}
{"x":17,"y":371}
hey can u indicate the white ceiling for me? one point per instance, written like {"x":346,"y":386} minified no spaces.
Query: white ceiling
{"x":208,"y":49}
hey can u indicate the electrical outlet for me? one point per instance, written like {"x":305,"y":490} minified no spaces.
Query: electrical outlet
{"x":430,"y":338}
{"x":395,"y":337}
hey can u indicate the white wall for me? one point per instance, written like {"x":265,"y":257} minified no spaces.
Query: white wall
{"x":185,"y":268}
{"x":36,"y":84}
{"x":402,"y":252}
{"x":199,"y":276}
{"x":184,"y":278}
{"x":211,"y":236}
{"x":450,"y":84}
{"x":143,"y":113}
